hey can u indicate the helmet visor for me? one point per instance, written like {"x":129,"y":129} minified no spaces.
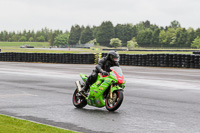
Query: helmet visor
{"x":116,"y":59}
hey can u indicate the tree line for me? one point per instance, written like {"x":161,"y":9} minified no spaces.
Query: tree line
{"x":144,"y":34}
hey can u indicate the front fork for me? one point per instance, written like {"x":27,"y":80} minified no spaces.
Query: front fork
{"x":111,"y":94}
{"x":112,"y":89}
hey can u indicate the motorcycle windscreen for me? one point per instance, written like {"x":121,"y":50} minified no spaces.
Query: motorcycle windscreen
{"x":118,"y":73}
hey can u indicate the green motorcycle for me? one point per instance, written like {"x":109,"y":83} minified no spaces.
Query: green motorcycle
{"x":106,"y":91}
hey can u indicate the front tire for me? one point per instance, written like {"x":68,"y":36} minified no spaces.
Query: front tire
{"x":78,"y":100}
{"x":114,"y":104}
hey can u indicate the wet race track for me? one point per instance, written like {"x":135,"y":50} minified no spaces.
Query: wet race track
{"x":156,"y":100}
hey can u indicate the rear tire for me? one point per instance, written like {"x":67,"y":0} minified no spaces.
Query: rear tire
{"x":78,"y":100}
{"x":117,"y":101}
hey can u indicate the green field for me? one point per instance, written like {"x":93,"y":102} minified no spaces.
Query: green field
{"x":18,"y":44}
{"x":13,"y":125}
{"x":15,"y":47}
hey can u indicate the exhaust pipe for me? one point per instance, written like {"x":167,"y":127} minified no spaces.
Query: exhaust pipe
{"x":78,"y":85}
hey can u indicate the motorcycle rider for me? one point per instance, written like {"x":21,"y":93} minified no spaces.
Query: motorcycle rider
{"x":103,"y":67}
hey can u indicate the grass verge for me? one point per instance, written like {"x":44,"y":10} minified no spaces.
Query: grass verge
{"x":18,"y":44}
{"x":22,"y":50}
{"x":15,"y":47}
{"x":13,"y":125}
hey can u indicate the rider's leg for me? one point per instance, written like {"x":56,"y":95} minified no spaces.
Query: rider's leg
{"x":91,"y":80}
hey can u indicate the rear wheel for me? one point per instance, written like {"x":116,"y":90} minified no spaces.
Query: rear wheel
{"x":114,"y":103}
{"x":78,"y":100}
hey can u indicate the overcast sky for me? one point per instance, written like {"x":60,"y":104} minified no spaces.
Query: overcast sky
{"x":18,"y":15}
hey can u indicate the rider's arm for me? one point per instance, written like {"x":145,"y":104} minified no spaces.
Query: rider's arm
{"x":117,"y":63}
{"x":100,"y":65}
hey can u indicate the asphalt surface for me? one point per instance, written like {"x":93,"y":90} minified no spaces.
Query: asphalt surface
{"x":156,"y":100}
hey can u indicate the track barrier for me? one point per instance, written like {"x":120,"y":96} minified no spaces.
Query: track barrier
{"x":160,"y":60}
{"x":48,"y":58}
{"x":153,"y":60}
{"x":196,"y":52}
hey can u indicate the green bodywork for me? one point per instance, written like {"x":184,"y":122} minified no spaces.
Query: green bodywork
{"x":95,"y":97}
{"x":84,"y":77}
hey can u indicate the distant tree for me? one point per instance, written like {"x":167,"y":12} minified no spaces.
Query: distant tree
{"x":14,"y":38}
{"x":144,"y":37}
{"x":86,"y":35}
{"x":162,"y":38}
{"x":134,"y":30}
{"x":75,"y":34}
{"x":190,"y":36}
{"x":132,"y":43}
{"x":197,"y":33}
{"x":28,"y":34}
{"x":1,"y":36}
{"x":170,"y":37}
{"x":162,"y":28}
{"x":175,"y":24}
{"x":146,"y":24}
{"x":82,"y":28}
{"x":38,"y":34}
{"x":33,"y":35}
{"x":30,"y":39}
{"x":10,"y":40}
{"x":52,"y":38}
{"x":115,"y":42}
{"x":53,"y":35}
{"x":140,"y":26}
{"x":10,"y":34}
{"x":94,"y":41}
{"x":24,"y":33}
{"x":181,"y":37}
{"x":105,"y":33}
{"x":22,"y":39}
{"x":119,"y":32}
{"x":167,"y":38}
{"x":167,"y":27}
{"x":66,"y":32}
{"x":128,"y":32}
{"x":61,"y":40}
{"x":46,"y":33}
{"x":40,"y":39}
{"x":155,"y":37}
{"x":5,"y":36}
{"x":196,"y":43}
{"x":95,"y":30}
{"x":154,"y":27}
{"x":124,"y":32}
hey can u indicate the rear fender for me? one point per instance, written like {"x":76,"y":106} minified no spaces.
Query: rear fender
{"x":84,"y":77}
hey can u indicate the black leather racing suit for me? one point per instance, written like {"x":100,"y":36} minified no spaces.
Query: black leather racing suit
{"x":104,"y":64}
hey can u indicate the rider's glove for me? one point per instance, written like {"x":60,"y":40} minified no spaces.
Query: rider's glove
{"x":104,"y":73}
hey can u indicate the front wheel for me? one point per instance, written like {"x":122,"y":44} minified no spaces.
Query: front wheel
{"x":114,"y":103}
{"x":78,"y":100}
